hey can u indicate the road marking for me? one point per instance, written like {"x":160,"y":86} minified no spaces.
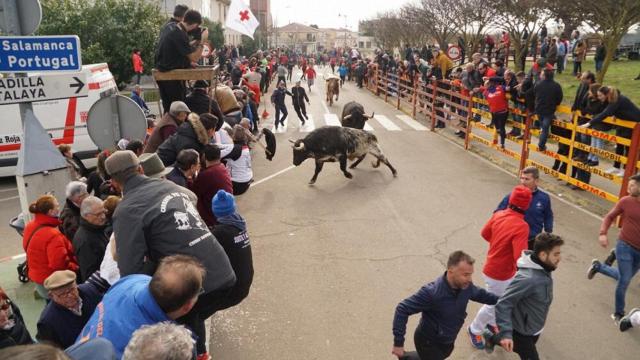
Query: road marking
{"x":331,"y":119}
{"x":414,"y":124}
{"x":272,"y":176}
{"x":309,"y":125}
{"x":388,"y":124}
{"x":5,"y":190}
{"x":10,"y":198}
{"x":14,"y":257}
{"x":368,"y":127}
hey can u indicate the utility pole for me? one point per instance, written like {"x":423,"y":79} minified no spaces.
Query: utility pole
{"x":345,"y":30}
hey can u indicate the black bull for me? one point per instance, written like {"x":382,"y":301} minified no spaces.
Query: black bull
{"x":335,"y":143}
{"x":353,"y":115}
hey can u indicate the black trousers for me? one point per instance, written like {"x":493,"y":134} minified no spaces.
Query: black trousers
{"x":170,"y":91}
{"x":240,"y":188}
{"x":301,"y":110}
{"x":525,"y":346}
{"x":206,"y":306}
{"x":281,"y":109}
{"x":428,"y":349}
{"x":500,"y":121}
{"x":622,"y":149}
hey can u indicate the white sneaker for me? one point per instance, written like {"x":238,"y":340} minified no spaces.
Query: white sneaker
{"x":611,"y":170}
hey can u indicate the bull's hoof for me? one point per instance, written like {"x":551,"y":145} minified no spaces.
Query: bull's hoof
{"x":375,"y":164}
{"x":348,"y":175}
{"x":395,"y":174}
{"x":353,"y":166}
{"x":312,"y":181}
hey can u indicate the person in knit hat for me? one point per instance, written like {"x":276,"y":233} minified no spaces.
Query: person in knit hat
{"x":507,"y":234}
{"x":231,"y":232}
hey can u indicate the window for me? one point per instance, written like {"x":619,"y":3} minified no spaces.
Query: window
{"x":361,"y":44}
{"x":368,"y":45}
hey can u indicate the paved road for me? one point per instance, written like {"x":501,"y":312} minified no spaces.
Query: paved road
{"x":333,"y":260}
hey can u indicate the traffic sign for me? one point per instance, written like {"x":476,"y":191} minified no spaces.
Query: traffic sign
{"x":40,"y":53}
{"x":44,"y":87}
{"x":113,"y":118}
{"x":20,"y":17}
{"x":454,"y":52}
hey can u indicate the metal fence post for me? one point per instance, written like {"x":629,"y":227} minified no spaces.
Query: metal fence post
{"x":524,"y":154}
{"x":632,"y":159}
{"x":434,"y":94}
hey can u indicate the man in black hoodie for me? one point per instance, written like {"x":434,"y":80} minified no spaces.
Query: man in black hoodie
{"x":548,"y":95}
{"x":199,"y":102}
{"x":299,"y":97}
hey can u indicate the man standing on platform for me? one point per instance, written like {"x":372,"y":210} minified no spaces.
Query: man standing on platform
{"x":174,"y":51}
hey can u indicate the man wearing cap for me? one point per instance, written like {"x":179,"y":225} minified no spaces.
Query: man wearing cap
{"x":199,"y":101}
{"x":167,"y":125}
{"x":68,"y":311}
{"x":299,"y":96}
{"x":231,"y":232}
{"x":157,"y":219}
{"x":507,"y":234}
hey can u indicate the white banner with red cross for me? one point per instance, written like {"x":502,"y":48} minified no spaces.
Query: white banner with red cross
{"x":241,"y":19}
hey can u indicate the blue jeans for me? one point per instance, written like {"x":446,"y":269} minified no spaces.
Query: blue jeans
{"x":628,"y":259}
{"x":599,"y":65}
{"x":595,"y":143}
{"x":545,"y":124}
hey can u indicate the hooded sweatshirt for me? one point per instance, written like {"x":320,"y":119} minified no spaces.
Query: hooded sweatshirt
{"x":507,"y":234}
{"x":526,"y":302}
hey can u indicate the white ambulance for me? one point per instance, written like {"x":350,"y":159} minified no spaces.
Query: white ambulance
{"x":65,"y":120}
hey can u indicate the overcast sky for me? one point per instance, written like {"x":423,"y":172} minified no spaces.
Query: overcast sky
{"x":324,"y":13}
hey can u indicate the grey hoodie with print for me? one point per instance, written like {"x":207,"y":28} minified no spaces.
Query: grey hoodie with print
{"x":525,"y":304}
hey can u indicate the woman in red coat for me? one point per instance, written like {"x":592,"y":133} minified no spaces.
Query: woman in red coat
{"x":138,"y":65}
{"x":47,"y":249}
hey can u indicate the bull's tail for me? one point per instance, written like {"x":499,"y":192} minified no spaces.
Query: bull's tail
{"x":375,"y":150}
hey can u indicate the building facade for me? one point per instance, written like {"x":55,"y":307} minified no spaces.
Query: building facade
{"x":297,"y":36}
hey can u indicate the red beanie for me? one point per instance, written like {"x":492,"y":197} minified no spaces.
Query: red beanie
{"x":520,"y":197}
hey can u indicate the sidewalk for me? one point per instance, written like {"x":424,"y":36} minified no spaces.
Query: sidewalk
{"x":21,"y":294}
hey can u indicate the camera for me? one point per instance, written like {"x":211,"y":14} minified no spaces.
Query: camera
{"x":197,"y":33}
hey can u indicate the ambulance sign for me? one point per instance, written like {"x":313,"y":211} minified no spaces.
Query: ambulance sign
{"x":39,"y":53}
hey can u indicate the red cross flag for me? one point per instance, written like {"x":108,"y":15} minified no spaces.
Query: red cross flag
{"x":241,"y":19}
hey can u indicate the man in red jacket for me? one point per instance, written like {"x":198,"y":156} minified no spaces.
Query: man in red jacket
{"x":507,"y":234}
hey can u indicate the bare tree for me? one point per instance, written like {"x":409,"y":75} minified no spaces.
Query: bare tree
{"x":471,"y":20}
{"x":519,"y":18}
{"x":432,"y":18}
{"x":610,"y":18}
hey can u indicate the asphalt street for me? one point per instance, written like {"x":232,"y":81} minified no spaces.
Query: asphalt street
{"x":333,"y":260}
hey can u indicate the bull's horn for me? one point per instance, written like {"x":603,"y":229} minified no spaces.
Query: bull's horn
{"x":299,"y":147}
{"x":292,"y":141}
{"x":347,"y":117}
{"x":371,"y":116}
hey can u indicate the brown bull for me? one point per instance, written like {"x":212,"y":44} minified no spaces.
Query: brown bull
{"x":333,"y":89}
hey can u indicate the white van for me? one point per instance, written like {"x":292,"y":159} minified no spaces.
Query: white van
{"x":65,"y":120}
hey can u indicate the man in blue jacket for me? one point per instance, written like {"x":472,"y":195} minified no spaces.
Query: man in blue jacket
{"x":539,"y":216}
{"x":138,"y":300}
{"x":443,"y":304}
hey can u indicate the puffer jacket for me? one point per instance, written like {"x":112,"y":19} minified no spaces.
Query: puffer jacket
{"x":190,"y":135}
{"x":49,"y":250}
